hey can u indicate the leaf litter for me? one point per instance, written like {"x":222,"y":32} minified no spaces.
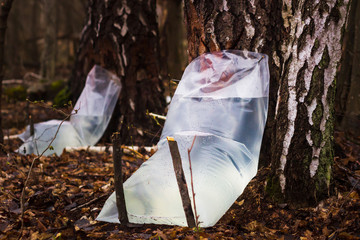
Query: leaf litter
{"x":65,"y":194}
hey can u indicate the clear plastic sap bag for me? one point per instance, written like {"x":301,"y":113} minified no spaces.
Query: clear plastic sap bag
{"x":222,"y":99}
{"x":91,"y":115}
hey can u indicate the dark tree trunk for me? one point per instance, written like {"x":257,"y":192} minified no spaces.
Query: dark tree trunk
{"x":302,"y":39}
{"x":172,"y":37}
{"x":4,"y":13}
{"x":34,"y":24}
{"x":48,"y":61}
{"x":14,"y":42}
{"x":122,"y":37}
{"x":348,"y":80}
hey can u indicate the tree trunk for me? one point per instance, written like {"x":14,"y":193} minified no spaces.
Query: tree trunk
{"x":15,"y":42}
{"x":48,"y":61}
{"x":302,"y":39}
{"x":4,"y":13}
{"x":122,"y":37}
{"x":172,"y":37}
{"x":34,"y":25}
{"x":348,"y":84}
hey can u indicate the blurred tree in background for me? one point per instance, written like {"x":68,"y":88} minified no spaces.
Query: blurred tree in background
{"x":348,"y":80}
{"x":42,"y":37}
{"x":173,"y":44}
{"x":5,"y":6}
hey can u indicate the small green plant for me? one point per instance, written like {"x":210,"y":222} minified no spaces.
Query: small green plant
{"x":198,"y":229}
{"x":63,"y":97}
{"x":17,"y":93}
{"x":57,"y":86}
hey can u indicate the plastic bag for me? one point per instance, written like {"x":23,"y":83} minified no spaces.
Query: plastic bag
{"x":222,"y":99}
{"x":91,"y":115}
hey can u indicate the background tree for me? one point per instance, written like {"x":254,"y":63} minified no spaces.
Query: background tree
{"x":27,"y":38}
{"x":122,"y":36}
{"x":303,"y":41}
{"x":348,"y":80}
{"x":48,"y":58}
{"x":5,"y":6}
{"x":173,"y":42}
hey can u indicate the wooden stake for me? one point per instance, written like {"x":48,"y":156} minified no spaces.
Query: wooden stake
{"x":119,"y":189}
{"x":180,"y":177}
{"x":32,"y":128}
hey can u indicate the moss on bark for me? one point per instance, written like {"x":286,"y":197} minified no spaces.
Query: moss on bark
{"x":273,"y":189}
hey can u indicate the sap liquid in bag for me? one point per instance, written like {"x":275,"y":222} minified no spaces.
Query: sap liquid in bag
{"x":91,"y":115}
{"x":222,"y":99}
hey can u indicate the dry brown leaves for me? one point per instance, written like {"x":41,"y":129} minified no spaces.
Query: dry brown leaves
{"x":66,"y":194}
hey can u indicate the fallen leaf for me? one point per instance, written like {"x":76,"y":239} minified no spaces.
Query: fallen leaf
{"x":240,"y":203}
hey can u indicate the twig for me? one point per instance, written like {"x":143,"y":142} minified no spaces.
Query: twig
{"x":44,"y":105}
{"x":157,"y":116}
{"x":89,"y":203}
{"x":133,"y":150}
{"x":119,"y":189}
{"x":346,"y":170}
{"x":29,"y":174}
{"x":348,"y":194}
{"x":180,"y":177}
{"x":9,"y":194}
{"x":192,"y":184}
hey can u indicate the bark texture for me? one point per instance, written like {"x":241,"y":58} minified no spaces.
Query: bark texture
{"x":303,"y":41}
{"x":122,"y":36}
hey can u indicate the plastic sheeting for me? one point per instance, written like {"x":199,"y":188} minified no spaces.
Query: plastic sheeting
{"x":91,"y":115}
{"x":222,"y":99}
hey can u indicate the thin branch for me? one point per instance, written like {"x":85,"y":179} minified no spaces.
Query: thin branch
{"x":22,"y":197}
{"x":89,"y":202}
{"x":192,"y":184}
{"x":154,"y":115}
{"x":44,"y":105}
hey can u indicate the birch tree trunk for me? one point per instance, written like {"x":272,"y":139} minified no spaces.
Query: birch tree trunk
{"x":122,"y":36}
{"x":303,"y":41}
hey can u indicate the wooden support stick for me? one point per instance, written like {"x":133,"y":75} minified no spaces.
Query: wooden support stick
{"x":119,"y":189}
{"x":180,"y":177}
{"x":31,"y":123}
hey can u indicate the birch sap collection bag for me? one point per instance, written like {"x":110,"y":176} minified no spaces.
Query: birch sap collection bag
{"x":222,"y":102}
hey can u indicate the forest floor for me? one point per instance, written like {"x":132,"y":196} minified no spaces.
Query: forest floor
{"x":65,"y":194}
